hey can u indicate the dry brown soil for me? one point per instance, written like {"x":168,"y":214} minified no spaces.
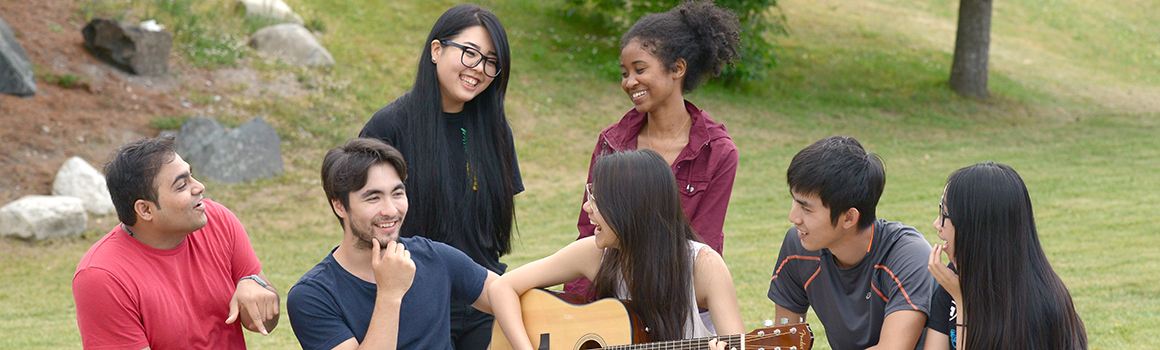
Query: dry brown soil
{"x":107,"y":108}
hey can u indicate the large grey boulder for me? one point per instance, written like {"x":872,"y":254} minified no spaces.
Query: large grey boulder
{"x":275,"y":10}
{"x":128,"y":46}
{"x":16,"y":77}
{"x":42,"y":217}
{"x":76,"y":178}
{"x":250,"y":151}
{"x":291,"y":43}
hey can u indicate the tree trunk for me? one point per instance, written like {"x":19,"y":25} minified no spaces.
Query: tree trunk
{"x":972,"y":46}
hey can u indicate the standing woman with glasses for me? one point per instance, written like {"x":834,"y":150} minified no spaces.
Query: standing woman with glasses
{"x":452,"y":131}
{"x":663,"y":57}
{"x":1001,"y":292}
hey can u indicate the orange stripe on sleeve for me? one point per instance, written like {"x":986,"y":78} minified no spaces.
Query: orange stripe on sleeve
{"x":896,"y":281}
{"x":791,"y":257}
{"x":807,"y":286}
{"x":879,"y":293}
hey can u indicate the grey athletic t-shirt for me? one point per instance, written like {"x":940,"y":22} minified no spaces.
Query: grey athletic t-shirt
{"x":852,"y":303}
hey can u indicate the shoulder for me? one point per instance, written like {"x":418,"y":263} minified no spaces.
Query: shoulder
{"x":109,"y":253}
{"x":387,"y":119}
{"x":897,"y":237}
{"x":321,"y":279}
{"x":618,"y":133}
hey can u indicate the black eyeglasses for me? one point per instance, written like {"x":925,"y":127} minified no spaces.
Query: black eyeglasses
{"x":471,"y":57}
{"x":942,"y":212}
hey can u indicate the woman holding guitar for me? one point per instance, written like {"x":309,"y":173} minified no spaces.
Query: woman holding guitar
{"x":1003,"y":280}
{"x":643,"y":250}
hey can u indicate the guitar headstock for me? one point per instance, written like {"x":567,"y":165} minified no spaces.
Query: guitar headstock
{"x":788,"y":337}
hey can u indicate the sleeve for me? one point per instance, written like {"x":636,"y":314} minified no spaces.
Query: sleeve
{"x":786,"y":287}
{"x":584,"y":225}
{"x":709,"y":218}
{"x":468,"y":284}
{"x":909,"y":285}
{"x":940,"y":311}
{"x":106,"y":314}
{"x":244,"y":261}
{"x":315,"y":318}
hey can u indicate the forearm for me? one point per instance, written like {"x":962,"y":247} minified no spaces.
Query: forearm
{"x":505,"y":302}
{"x":383,"y":331}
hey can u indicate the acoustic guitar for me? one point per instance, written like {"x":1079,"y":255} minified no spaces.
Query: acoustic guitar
{"x":563,"y":321}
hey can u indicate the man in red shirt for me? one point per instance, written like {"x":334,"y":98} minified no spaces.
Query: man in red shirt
{"x":178,"y":272}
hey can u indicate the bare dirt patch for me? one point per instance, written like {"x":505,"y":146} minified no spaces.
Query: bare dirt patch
{"x":105,"y":109}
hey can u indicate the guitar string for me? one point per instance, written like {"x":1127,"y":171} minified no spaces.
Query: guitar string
{"x":696,"y":344}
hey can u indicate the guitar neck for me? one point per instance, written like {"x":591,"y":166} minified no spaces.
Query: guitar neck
{"x":687,"y":344}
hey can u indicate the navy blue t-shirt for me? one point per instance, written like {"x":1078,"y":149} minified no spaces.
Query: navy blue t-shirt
{"x":329,"y":305}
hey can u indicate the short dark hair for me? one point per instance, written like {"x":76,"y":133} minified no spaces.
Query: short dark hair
{"x":344,"y":169}
{"x":131,"y":170}
{"x":842,"y":173}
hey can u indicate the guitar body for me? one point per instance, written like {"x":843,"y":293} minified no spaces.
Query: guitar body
{"x":561,"y":321}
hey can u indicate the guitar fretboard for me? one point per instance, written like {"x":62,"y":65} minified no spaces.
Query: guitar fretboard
{"x":687,"y":344}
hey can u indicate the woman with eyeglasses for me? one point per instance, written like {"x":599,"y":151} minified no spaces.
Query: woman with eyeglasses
{"x":643,"y":249}
{"x":452,"y":130}
{"x":663,"y":57}
{"x":998,"y":291}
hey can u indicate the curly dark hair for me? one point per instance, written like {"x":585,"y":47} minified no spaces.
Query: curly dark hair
{"x":699,"y":32}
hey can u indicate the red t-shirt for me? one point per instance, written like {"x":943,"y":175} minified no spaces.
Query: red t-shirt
{"x":130,"y":295}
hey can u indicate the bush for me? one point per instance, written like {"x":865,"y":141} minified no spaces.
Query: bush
{"x":759,"y":18}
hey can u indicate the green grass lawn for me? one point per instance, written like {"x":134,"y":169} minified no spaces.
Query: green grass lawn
{"x":1074,"y":110}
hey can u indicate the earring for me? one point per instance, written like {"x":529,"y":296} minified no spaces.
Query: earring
{"x":433,"y":60}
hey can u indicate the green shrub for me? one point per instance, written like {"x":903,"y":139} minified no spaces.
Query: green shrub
{"x":759,"y":19}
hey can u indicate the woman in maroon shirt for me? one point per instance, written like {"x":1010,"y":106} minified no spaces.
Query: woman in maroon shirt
{"x":664,"y":56}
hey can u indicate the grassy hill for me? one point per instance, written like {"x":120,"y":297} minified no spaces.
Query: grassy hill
{"x":1075,"y":111}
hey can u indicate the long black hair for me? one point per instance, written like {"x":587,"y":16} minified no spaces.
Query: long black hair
{"x":1014,"y":300}
{"x":637,"y":195}
{"x":489,"y":154}
{"x":704,"y":35}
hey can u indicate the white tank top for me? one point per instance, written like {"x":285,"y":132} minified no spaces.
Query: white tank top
{"x":699,"y":324}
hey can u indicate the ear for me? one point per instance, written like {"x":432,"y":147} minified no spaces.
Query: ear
{"x":436,"y":49}
{"x":849,"y":219}
{"x":144,"y":209}
{"x":339,"y":209}
{"x":679,"y":68}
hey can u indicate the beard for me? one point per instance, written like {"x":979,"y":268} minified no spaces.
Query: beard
{"x":362,"y":232}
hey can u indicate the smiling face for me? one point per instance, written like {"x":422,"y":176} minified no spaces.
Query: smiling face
{"x":604,"y":235}
{"x":179,"y":209}
{"x":945,"y":228}
{"x":457,"y":82}
{"x":646,"y":80}
{"x":812,"y":221}
{"x":376,"y":210}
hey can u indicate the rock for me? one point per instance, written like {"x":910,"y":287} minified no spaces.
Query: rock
{"x":293,"y":44}
{"x":275,"y":10}
{"x":194,"y":136}
{"x":248,"y":152}
{"x":129,"y":47}
{"x":16,"y":77}
{"x":76,"y":178}
{"x":43,"y":217}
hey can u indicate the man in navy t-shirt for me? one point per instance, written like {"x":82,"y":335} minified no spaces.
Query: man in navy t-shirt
{"x":361,"y":290}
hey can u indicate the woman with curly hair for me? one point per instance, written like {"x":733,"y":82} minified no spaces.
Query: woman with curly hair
{"x":663,"y":57}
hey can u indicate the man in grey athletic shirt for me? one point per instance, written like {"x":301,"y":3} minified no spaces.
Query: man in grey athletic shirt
{"x":865,"y":278}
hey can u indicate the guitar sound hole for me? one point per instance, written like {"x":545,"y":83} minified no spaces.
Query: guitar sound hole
{"x":590,"y":344}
